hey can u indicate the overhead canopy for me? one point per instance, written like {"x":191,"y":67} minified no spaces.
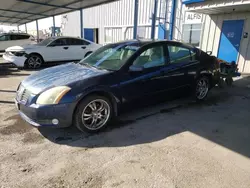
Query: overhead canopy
{"x":219,"y":6}
{"x":18,"y":12}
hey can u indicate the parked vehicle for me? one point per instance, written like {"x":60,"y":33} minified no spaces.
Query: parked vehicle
{"x":89,"y":93}
{"x":54,"y":49}
{"x":12,"y":39}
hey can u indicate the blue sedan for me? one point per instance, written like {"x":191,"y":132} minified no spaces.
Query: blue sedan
{"x":89,"y":93}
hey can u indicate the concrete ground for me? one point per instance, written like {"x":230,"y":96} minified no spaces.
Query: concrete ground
{"x":175,"y":144}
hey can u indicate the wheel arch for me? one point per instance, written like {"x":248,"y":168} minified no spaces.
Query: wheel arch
{"x":207,"y":74}
{"x":114,"y":100}
{"x":33,"y":53}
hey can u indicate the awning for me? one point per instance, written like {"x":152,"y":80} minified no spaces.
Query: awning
{"x":18,"y":12}
{"x":219,"y":6}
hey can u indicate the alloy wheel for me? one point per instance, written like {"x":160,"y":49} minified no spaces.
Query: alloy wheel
{"x":202,"y":88}
{"x":34,"y":62}
{"x":96,"y":114}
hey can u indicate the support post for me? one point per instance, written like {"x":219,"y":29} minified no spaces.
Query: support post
{"x":135,"y":19}
{"x":37,"y":31}
{"x":81,"y":22}
{"x":18,"y":28}
{"x":172,"y":18}
{"x":54,"y":26}
{"x":154,"y":19}
{"x":26,"y":28}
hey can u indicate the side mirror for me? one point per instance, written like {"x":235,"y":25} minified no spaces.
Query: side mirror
{"x":209,"y":52}
{"x":134,"y":68}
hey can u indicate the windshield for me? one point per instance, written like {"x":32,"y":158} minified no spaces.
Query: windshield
{"x":111,"y":56}
{"x":45,"y":42}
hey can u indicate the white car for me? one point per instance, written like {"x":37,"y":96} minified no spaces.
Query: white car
{"x":11,"y":39}
{"x":54,"y":49}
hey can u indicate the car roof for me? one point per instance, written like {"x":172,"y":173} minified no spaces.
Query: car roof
{"x":63,"y":37}
{"x":58,"y":37}
{"x":151,"y":41}
{"x":14,"y":33}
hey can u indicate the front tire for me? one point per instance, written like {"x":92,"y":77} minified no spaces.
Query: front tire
{"x":34,"y":61}
{"x":93,"y":114}
{"x":202,"y":88}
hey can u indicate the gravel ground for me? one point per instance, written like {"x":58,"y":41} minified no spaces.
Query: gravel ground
{"x":175,"y":144}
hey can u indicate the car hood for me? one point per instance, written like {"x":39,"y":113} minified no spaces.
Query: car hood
{"x":59,"y":76}
{"x":22,"y":48}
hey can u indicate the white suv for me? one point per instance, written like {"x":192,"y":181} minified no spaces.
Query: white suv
{"x":14,"y":39}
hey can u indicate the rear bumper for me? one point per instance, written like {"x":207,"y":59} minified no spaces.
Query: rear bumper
{"x":18,"y":61}
{"x":44,"y":115}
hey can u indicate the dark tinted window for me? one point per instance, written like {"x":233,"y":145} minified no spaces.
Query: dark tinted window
{"x":19,"y":37}
{"x":73,"y":41}
{"x":4,"y":37}
{"x":60,"y":42}
{"x":179,"y":54}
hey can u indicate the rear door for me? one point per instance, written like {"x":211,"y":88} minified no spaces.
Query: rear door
{"x":19,"y":39}
{"x":181,"y":61}
{"x":78,"y":48}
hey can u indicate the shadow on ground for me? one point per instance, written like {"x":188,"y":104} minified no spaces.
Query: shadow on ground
{"x":9,"y":70}
{"x":223,"y":119}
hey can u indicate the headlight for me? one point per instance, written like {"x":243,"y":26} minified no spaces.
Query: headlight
{"x":53,"y":95}
{"x":21,"y":53}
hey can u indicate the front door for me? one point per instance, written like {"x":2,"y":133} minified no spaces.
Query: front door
{"x":58,"y":50}
{"x":230,"y":40}
{"x":150,"y":80}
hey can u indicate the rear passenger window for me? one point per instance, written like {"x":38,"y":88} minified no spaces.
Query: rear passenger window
{"x":4,"y":38}
{"x":73,"y":41}
{"x":180,"y":54}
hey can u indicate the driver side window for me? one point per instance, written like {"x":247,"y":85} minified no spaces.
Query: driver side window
{"x":151,"y":57}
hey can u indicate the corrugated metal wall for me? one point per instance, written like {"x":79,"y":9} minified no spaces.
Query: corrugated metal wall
{"x":119,"y":16}
{"x":71,"y":24}
{"x":212,"y":32}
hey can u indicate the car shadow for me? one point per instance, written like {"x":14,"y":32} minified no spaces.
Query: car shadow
{"x":215,"y":119}
{"x":9,"y":70}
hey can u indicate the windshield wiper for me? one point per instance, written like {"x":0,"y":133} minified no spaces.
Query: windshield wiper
{"x":92,"y":66}
{"x":86,"y":64}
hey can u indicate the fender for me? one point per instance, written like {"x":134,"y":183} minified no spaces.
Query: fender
{"x":116,"y":100}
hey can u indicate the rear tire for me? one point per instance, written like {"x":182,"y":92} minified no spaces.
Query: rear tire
{"x":201,"y":88}
{"x":93,"y":114}
{"x":34,"y":61}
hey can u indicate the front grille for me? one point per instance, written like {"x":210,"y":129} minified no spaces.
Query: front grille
{"x":23,"y":94}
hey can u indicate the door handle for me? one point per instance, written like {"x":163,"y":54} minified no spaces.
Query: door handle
{"x":65,"y":48}
{"x":83,"y":47}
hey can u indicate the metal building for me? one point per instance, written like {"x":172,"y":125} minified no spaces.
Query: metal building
{"x":226,"y":29}
{"x":114,"y":21}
